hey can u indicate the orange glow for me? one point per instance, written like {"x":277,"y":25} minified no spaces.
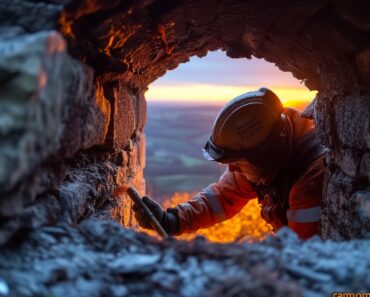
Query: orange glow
{"x":66,"y":25}
{"x":247,"y":225}
{"x":220,"y":94}
{"x":162,"y":32}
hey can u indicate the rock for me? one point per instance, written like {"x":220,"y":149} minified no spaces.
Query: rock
{"x":352,"y":120}
{"x":365,"y":166}
{"x":33,"y":16}
{"x":336,"y":216}
{"x":4,"y":289}
{"x":361,"y":202}
{"x":137,"y":264}
{"x":31,"y":105}
{"x":47,"y":104}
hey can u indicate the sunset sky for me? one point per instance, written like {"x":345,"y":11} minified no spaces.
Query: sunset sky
{"x":217,"y":79}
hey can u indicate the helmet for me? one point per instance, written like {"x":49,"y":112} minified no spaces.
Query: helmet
{"x":244,"y":124}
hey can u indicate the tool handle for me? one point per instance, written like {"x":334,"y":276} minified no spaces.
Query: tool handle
{"x":134,"y":195}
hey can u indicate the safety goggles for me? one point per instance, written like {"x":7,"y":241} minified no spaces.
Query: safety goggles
{"x":212,"y":152}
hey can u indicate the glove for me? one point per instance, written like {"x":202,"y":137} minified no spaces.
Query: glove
{"x":168,"y":219}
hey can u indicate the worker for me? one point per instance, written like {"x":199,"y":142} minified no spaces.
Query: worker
{"x":271,"y":154}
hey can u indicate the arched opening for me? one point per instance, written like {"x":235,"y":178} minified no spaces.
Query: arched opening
{"x":134,"y":44}
{"x":181,"y":108}
{"x":116,"y":49}
{"x":72,"y":80}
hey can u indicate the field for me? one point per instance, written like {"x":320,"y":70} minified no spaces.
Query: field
{"x":176,"y":135}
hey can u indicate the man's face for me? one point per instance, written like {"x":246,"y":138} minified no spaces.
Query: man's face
{"x":253,"y":173}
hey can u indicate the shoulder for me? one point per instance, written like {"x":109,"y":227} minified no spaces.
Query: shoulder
{"x":299,"y":124}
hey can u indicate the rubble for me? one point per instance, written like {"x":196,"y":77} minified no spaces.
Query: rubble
{"x":101,"y":258}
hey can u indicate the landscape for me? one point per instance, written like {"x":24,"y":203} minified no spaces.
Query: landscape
{"x":175,"y":135}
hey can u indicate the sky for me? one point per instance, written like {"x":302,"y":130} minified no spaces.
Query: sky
{"x":217,"y":79}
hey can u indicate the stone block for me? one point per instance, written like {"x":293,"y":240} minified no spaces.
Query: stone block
{"x":365,"y":166}
{"x":363,"y":66}
{"x":343,"y":120}
{"x":48,"y":107}
{"x":352,"y":120}
{"x":34,"y":16}
{"x":86,"y":112}
{"x":31,"y":103}
{"x":323,"y":119}
{"x":124,"y":116}
{"x":141,"y":112}
{"x":354,"y":14}
{"x":348,"y":160}
{"x":361,"y":213}
{"x":337,"y":211}
{"x":45,"y":211}
{"x":86,"y":190}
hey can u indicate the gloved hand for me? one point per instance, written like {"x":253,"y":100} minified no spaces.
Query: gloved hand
{"x":168,"y":219}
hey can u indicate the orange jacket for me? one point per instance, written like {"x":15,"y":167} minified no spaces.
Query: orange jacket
{"x":222,"y":200}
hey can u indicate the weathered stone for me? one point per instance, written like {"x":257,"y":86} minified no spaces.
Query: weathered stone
{"x":337,"y":215}
{"x":355,"y":14}
{"x":30,"y":15}
{"x":141,"y":112}
{"x":49,"y":107}
{"x":58,"y":106}
{"x":31,"y":103}
{"x":363,"y":65}
{"x":361,"y":203}
{"x":365,"y":166}
{"x":28,"y":190}
{"x":131,"y":175}
{"x":44,"y":211}
{"x":348,"y":160}
{"x":124,"y":120}
{"x":104,"y":258}
{"x":87,"y":112}
{"x":352,"y":120}
{"x":284,"y":32}
{"x":87,"y":190}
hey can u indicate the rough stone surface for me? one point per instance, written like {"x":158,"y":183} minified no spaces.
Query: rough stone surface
{"x":30,"y":15}
{"x":48,"y":109}
{"x":71,"y":139}
{"x":53,"y":106}
{"x":141,"y":40}
{"x":98,"y":258}
{"x":342,"y":125}
{"x":341,"y":216}
{"x":31,"y":103}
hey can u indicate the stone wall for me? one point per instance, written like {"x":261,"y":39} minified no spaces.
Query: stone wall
{"x":68,"y":142}
{"x":74,"y":73}
{"x":344,"y":127}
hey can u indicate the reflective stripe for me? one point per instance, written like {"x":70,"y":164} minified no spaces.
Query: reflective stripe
{"x":215,"y":204}
{"x":306,"y":215}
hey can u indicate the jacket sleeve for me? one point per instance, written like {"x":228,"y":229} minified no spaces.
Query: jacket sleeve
{"x":305,"y":201}
{"x":215,"y":203}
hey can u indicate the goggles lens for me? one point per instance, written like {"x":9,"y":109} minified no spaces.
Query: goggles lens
{"x":213,"y":153}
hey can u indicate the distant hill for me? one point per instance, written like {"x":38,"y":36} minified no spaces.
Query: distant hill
{"x":175,"y":136}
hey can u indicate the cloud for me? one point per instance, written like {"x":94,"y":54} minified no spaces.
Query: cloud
{"x":217,"y":68}
{"x":217,"y":79}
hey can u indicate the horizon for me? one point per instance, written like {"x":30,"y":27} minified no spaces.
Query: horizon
{"x":216,"y":79}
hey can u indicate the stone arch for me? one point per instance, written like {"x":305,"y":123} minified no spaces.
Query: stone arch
{"x":123,"y":46}
{"x":142,"y":41}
